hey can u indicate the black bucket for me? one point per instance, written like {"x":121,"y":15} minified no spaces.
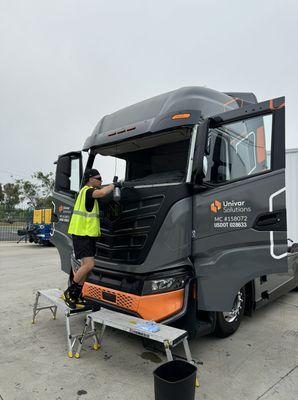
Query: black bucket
{"x":175,"y":380}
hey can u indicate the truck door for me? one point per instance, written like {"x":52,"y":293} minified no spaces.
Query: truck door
{"x":239,"y":209}
{"x":67,"y":184}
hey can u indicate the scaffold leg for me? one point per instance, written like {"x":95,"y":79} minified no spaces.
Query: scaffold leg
{"x":96,"y":342}
{"x":69,"y":337}
{"x":168,"y":351}
{"x":35,"y":307}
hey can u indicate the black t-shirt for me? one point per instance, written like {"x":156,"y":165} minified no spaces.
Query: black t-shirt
{"x":89,"y":204}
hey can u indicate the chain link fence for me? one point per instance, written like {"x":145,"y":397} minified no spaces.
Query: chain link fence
{"x":11,"y":220}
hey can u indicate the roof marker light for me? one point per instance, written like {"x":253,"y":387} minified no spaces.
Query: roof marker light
{"x":181,"y":116}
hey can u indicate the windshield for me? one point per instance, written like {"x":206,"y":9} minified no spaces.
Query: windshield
{"x":109,"y":166}
{"x":154,"y":159}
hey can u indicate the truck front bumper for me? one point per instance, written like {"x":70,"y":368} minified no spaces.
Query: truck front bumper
{"x":155,"y":307}
{"x":160,"y":307}
{"x":120,"y":292}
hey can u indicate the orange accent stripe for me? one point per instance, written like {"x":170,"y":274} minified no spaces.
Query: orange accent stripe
{"x":261,"y":152}
{"x":229,"y":102}
{"x":152,"y":307}
{"x":282,"y":105}
{"x":234,"y":101}
{"x":271,"y":105}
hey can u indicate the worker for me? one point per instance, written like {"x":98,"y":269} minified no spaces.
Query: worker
{"x":85,"y":229}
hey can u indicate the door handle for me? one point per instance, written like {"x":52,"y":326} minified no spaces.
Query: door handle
{"x":271,"y":221}
{"x":265,"y":220}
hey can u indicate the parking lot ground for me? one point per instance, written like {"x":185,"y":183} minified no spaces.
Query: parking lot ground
{"x":259,"y":362}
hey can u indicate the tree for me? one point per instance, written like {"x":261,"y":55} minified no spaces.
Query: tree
{"x":1,"y":194}
{"x":37,"y":192}
{"x":46,"y":182}
{"x":11,"y":195}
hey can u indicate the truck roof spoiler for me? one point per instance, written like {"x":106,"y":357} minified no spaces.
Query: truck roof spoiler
{"x":158,"y":113}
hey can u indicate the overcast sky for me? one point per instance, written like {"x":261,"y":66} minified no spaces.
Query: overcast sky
{"x":66,"y":63}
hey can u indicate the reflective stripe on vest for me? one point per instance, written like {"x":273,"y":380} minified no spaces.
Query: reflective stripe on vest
{"x":83,"y":222}
{"x":86,"y":214}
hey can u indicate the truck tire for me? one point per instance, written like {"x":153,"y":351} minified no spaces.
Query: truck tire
{"x":228,"y":322}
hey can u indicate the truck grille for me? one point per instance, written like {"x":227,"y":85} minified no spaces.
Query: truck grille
{"x":123,"y":300}
{"x":125,"y":228}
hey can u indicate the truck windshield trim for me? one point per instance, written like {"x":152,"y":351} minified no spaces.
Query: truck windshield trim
{"x":158,"y":185}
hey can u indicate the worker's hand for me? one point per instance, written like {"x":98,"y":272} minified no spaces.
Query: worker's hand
{"x":118,"y":184}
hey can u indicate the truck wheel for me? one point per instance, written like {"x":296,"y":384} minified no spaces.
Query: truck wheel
{"x":228,"y":322}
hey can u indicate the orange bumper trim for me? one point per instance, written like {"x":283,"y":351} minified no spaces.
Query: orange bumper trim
{"x":153,"y":307}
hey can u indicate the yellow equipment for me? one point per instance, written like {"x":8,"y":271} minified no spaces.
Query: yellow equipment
{"x":42,"y":216}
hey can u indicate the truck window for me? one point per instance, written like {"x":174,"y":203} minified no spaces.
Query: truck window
{"x":239,"y":149}
{"x":109,"y":166}
{"x":75,"y":175}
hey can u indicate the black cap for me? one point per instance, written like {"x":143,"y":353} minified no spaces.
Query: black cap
{"x":90,"y":173}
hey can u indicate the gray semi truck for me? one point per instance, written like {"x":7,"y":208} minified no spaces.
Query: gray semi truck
{"x":199,"y":237}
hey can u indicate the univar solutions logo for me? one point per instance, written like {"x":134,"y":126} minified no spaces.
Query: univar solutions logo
{"x":215,"y":206}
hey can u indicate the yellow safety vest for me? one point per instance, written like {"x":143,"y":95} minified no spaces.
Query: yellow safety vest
{"x":83,"y":222}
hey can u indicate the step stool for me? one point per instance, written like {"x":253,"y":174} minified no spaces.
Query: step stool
{"x":54,"y":297}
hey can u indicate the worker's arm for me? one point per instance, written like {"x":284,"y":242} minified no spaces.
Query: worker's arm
{"x":99,"y":193}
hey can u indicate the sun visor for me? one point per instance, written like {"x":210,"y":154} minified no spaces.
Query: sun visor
{"x":145,"y":142}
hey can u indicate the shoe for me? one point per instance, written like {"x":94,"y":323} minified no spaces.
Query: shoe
{"x":81,"y":302}
{"x":72,"y":301}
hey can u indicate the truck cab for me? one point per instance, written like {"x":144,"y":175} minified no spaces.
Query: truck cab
{"x":201,"y":226}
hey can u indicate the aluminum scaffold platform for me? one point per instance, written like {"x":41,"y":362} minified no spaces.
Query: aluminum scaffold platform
{"x":54,"y":297}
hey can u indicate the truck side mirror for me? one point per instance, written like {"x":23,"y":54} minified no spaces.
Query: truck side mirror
{"x":69,"y":173}
{"x":63,"y":171}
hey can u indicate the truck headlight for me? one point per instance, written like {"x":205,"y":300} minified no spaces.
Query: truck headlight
{"x":164,"y":284}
